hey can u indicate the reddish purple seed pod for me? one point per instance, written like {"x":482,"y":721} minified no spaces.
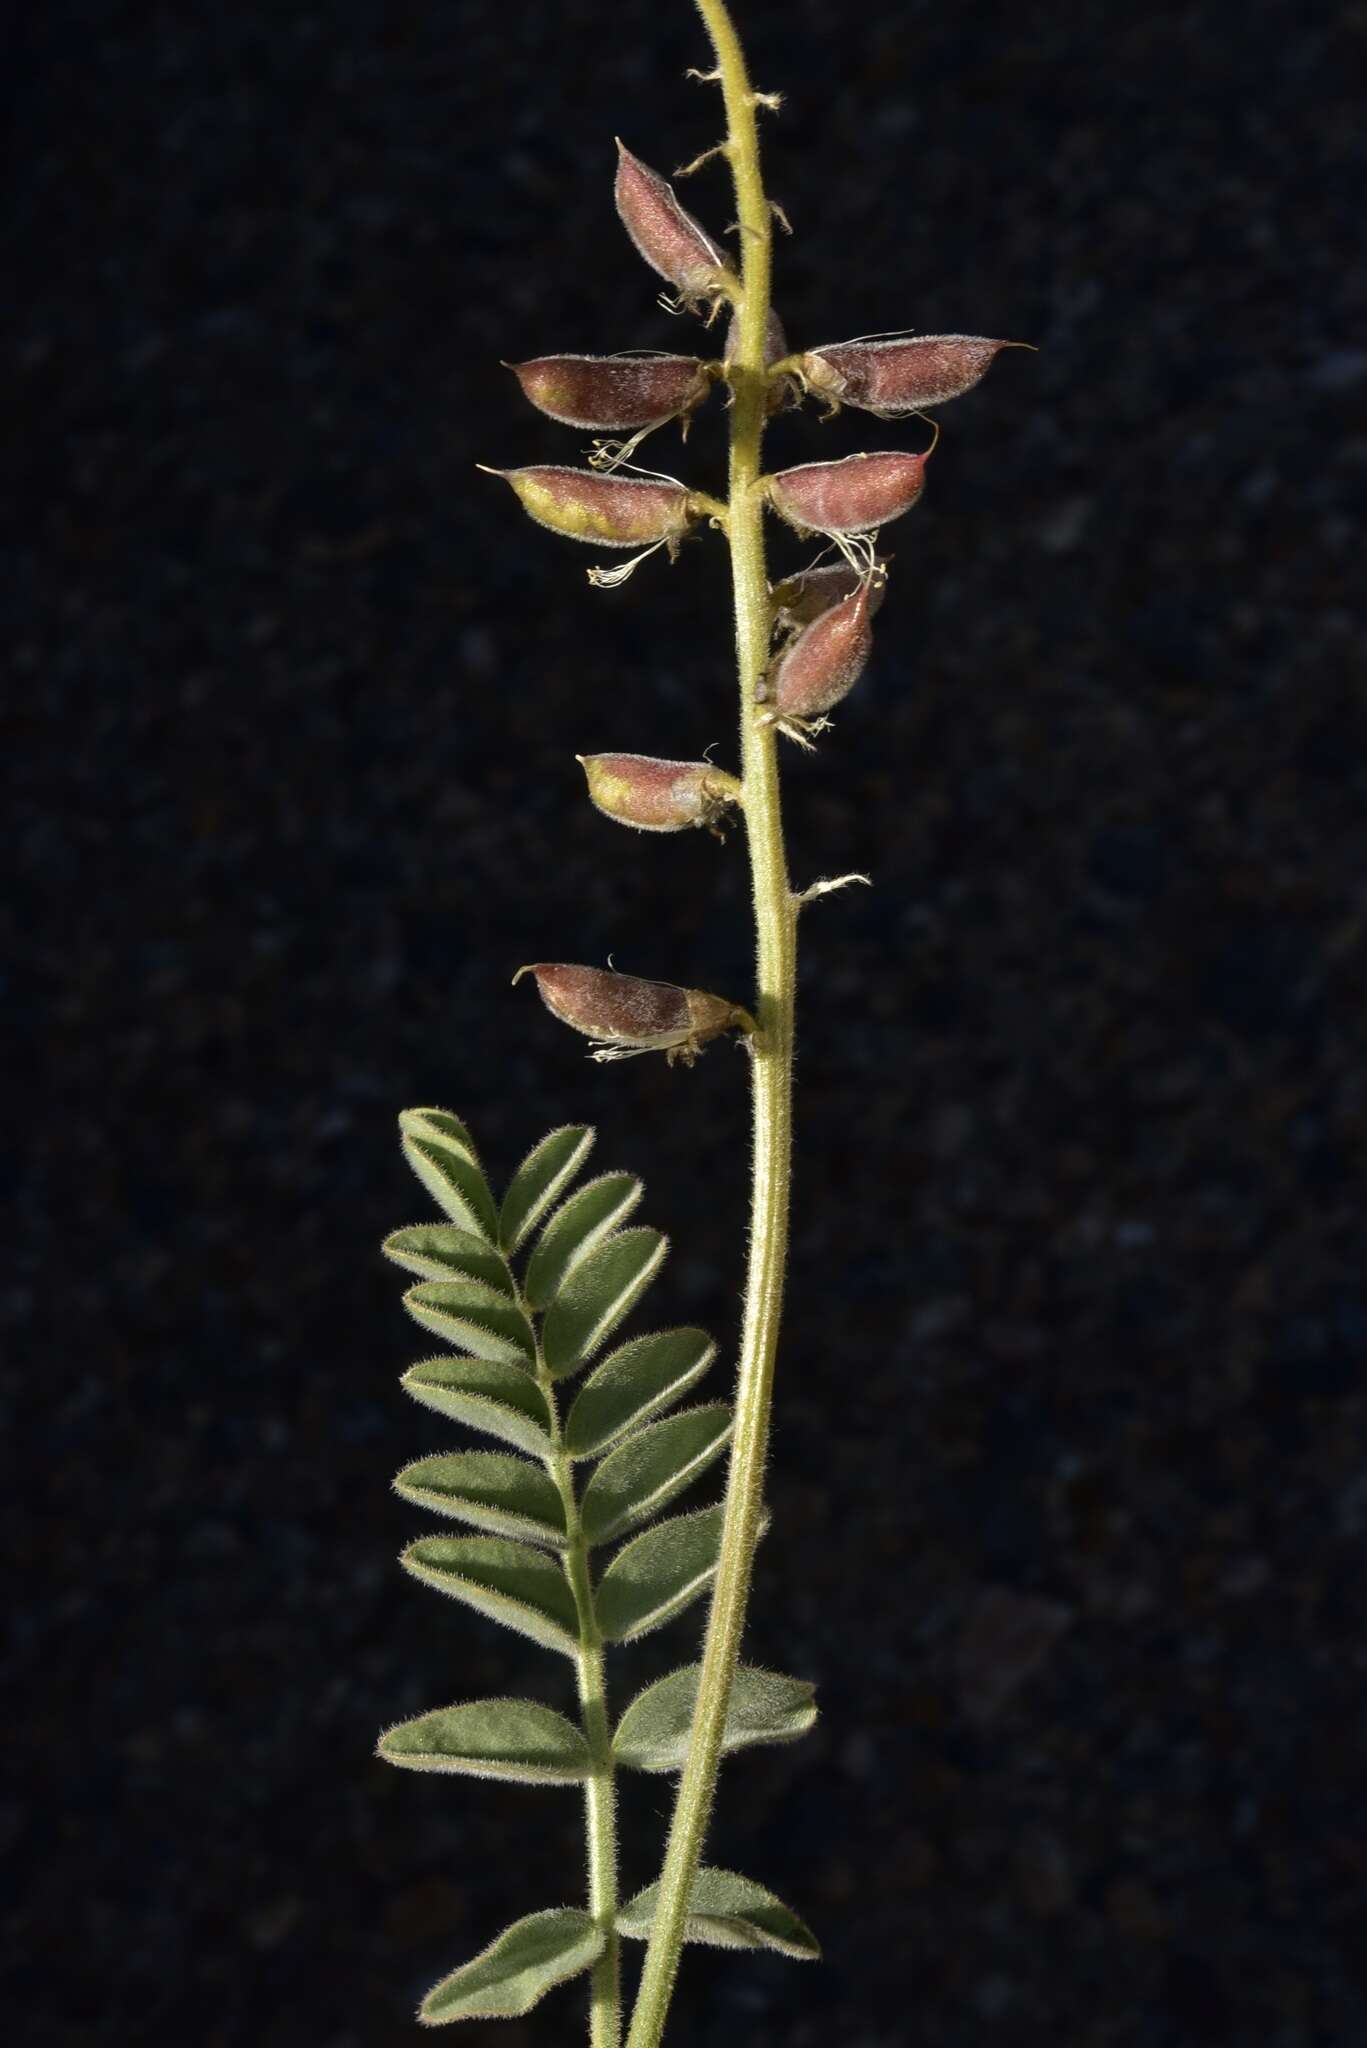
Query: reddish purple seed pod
{"x":858,"y":494}
{"x":658,"y":796}
{"x":893,"y":378}
{"x":826,"y":660}
{"x":802,"y":597}
{"x":626,"y":1015}
{"x":663,"y":233}
{"x":775,"y":341}
{"x":613,"y":394}
{"x":609,"y":511}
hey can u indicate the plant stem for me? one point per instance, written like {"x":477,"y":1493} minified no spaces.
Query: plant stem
{"x":771,"y":1062}
{"x":600,"y":1792}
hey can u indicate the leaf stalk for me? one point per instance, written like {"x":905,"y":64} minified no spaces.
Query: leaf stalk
{"x":600,"y":1790}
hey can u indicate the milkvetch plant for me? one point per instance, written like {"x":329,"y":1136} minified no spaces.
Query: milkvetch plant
{"x":580,"y":1538}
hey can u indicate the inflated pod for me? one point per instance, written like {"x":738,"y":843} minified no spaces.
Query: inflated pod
{"x":613,"y":394}
{"x":804,"y":596}
{"x":775,"y":341}
{"x":658,"y":796}
{"x":608,"y":511}
{"x":893,"y":378}
{"x":858,"y":494}
{"x":825,"y":661}
{"x":628,"y":1016}
{"x":664,"y":233}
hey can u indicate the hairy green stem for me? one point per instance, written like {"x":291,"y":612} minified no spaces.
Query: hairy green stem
{"x":772,"y":1053}
{"x":600,"y":1791}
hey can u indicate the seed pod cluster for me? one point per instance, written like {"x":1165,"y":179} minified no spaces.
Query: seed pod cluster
{"x":659,"y":796}
{"x":821,"y":616}
{"x":625,"y":1015}
{"x":894,"y":378}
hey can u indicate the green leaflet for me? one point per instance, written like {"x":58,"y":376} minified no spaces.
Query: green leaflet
{"x":439,"y":1251}
{"x":490,"y":1489}
{"x":512,"y":1583}
{"x":596,"y":1294}
{"x":728,"y":1911}
{"x":548,"y":1169}
{"x":655,"y":1576}
{"x":502,"y":1400}
{"x":646,"y":1472}
{"x":439,"y":1124}
{"x":517,"y":1739}
{"x":517,"y":1970}
{"x":475,"y":1317}
{"x":437,"y":1146}
{"x":652,"y":1734}
{"x":573,"y":1231}
{"x":634,"y":1383}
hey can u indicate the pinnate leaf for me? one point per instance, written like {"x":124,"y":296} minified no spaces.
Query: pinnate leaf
{"x":517,"y":1970}
{"x":517,"y":1739}
{"x":633,"y":1384}
{"x":539,"y":1181}
{"x":477,"y":1318}
{"x":655,"y":1576}
{"x":596,"y":1294}
{"x":653,"y":1733}
{"x":574,"y":1230}
{"x":439,"y":1251}
{"x":512,"y":1583}
{"x":727,"y":1911}
{"x":646,"y":1472}
{"x":502,"y":1400}
{"x":490,"y":1489}
{"x":438,"y":1148}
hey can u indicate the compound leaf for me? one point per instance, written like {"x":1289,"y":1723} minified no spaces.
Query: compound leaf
{"x":546,"y":1171}
{"x":653,"y":1733}
{"x":517,"y":1739}
{"x":474,"y":1317}
{"x":633,"y":1384}
{"x":655,"y":1576}
{"x":727,"y":1911}
{"x":439,"y":1251}
{"x":512,"y":1583}
{"x":573,"y":1231}
{"x":596,"y":1294}
{"x":646,"y":1472}
{"x":517,"y":1970}
{"x":502,"y":1400}
{"x":489,"y":1489}
{"x":438,"y":1148}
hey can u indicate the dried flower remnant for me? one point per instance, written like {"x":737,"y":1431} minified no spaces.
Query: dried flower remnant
{"x":821,"y":665}
{"x":627,"y":1016}
{"x":856,"y":495}
{"x":659,"y":796}
{"x":614,"y":394}
{"x":666,"y":235}
{"x":895,"y":377}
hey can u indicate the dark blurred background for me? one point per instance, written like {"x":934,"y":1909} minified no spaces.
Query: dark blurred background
{"x":1069,"y":1479}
